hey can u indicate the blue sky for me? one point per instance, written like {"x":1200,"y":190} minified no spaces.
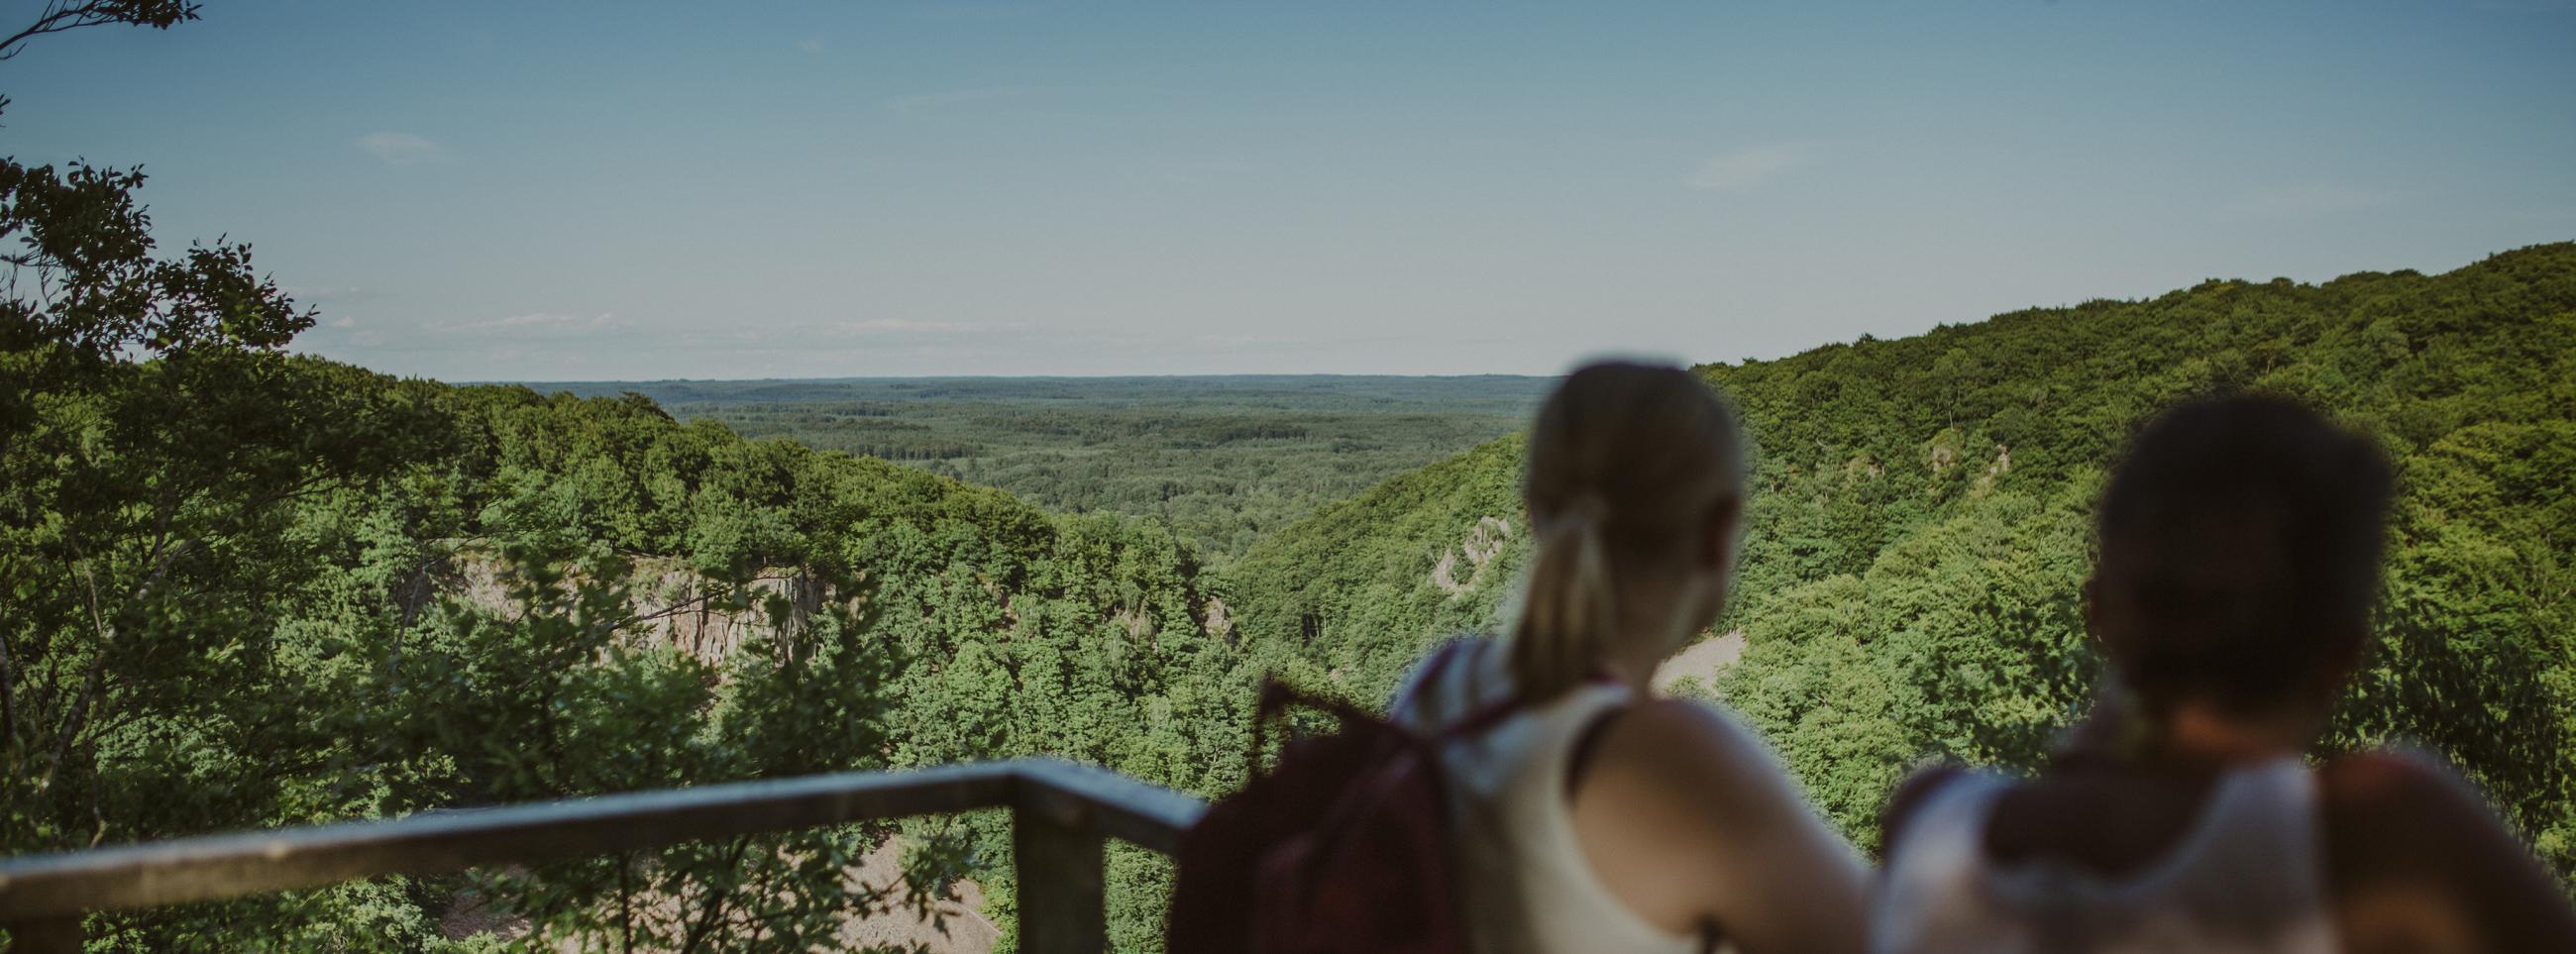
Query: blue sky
{"x":590,"y":191}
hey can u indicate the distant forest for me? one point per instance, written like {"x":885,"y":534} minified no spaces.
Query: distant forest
{"x":1222,"y":460}
{"x":245,"y":588}
{"x":1918,"y":530}
{"x":248,"y":588}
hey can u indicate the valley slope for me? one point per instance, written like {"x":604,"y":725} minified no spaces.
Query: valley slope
{"x":1221,"y":459}
{"x":1917,"y":529}
{"x":251,"y":589}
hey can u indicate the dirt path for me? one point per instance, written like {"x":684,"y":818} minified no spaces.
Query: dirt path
{"x":1702,"y":661}
{"x":968,"y":931}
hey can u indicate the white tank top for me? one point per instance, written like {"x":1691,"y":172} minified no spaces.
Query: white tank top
{"x":2246,"y":879}
{"x":1526,"y":884}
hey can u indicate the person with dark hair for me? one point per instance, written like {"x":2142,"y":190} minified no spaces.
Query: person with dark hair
{"x":2240,"y":544}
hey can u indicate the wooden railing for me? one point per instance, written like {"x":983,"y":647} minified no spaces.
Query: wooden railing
{"x":1060,"y":814}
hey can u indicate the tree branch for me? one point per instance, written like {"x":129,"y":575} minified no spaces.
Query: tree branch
{"x":60,"y":16}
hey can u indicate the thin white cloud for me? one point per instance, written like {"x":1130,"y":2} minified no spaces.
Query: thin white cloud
{"x":2300,"y":200}
{"x":535,"y":324}
{"x":344,"y":321}
{"x":905,"y":324}
{"x":552,"y":321}
{"x":956,"y":97}
{"x":975,"y":11}
{"x":317,"y":294}
{"x":919,"y":326}
{"x":1742,"y":168}
{"x":400,"y":148}
{"x":811,"y":44}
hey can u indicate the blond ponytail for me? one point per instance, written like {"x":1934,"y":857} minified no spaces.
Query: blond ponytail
{"x":1570,"y":609}
{"x":1624,"y":461}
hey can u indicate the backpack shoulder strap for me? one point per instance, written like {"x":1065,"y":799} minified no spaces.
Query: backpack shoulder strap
{"x":1474,"y":720}
{"x":1484,"y":717}
{"x":1442,"y":657}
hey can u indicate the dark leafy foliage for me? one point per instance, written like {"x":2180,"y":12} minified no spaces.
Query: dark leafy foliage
{"x":248,"y":589}
{"x":1221,"y":460}
{"x":245,"y":588}
{"x":1918,"y":530}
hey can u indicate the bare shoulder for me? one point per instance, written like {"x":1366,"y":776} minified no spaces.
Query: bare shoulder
{"x":1688,"y":817}
{"x":1685,"y":760}
{"x":1683,"y":746}
{"x":2418,"y":860}
{"x":2392,"y":799}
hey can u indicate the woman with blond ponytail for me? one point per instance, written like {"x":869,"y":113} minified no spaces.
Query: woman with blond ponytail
{"x":1589,"y":813}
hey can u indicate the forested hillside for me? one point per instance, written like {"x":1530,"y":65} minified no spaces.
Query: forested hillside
{"x":1222,"y":459}
{"x":1918,"y":528}
{"x":380,"y":597}
{"x":249,"y":589}
{"x":245,"y":588}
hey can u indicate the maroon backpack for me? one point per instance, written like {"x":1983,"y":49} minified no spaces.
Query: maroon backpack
{"x":1344,"y":846}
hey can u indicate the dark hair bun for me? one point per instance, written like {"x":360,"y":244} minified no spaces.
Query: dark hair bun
{"x":2241,"y":542}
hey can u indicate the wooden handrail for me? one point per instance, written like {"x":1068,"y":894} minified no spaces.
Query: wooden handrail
{"x":1060,"y":813}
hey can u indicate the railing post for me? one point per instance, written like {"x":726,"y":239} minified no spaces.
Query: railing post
{"x":1062,"y":901}
{"x":52,"y":936}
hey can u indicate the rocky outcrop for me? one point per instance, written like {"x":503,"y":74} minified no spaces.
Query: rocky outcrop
{"x":1485,"y":541}
{"x":2002,"y":465}
{"x":1219,"y":623}
{"x":712,"y":620}
{"x":676,"y":606}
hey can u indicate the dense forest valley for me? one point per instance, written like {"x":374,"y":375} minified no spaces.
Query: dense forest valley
{"x":248,"y":588}
{"x":1221,"y":460}
{"x":243,"y":586}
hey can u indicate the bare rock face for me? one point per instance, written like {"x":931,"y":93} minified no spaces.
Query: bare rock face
{"x":1862,"y":469}
{"x":2001,"y":466}
{"x":1444,"y":574}
{"x":1219,"y":623}
{"x":711,"y":620}
{"x":1485,"y":541}
{"x":678,"y":607}
{"x":1136,"y":620}
{"x":1946,"y":450}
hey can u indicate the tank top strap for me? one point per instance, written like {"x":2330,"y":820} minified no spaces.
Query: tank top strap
{"x":1944,"y":840}
{"x":1464,"y":688}
{"x":2259,"y":835}
{"x":2244,"y":878}
{"x":1517,"y":848}
{"x":2277,"y":798}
